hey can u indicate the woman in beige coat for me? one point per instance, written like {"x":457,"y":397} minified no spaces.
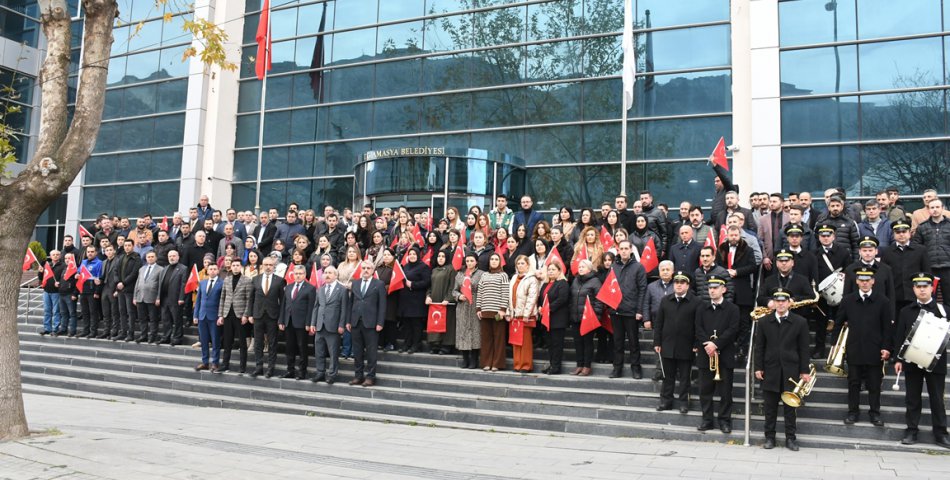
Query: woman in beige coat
{"x":522,"y":312}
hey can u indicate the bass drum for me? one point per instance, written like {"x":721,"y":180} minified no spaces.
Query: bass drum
{"x":927,"y":341}
{"x":832,"y":288}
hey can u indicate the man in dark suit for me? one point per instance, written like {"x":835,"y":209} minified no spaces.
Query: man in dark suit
{"x":868,"y":316}
{"x":527,"y":216}
{"x":905,"y":259}
{"x":717,"y":325}
{"x":739,"y":260}
{"x":110,"y":302}
{"x":936,"y":379}
{"x":263,"y":312}
{"x":295,"y":314}
{"x":264,"y":234}
{"x":674,"y":332}
{"x":366,"y":320}
{"x":171,"y":298}
{"x":781,"y":352}
{"x":127,"y":273}
{"x":329,"y":316}
{"x":206,"y":318}
{"x":685,"y":253}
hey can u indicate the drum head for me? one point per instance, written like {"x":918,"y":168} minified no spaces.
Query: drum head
{"x":926,"y":342}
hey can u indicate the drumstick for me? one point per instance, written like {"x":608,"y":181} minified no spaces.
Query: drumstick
{"x":897,"y":383}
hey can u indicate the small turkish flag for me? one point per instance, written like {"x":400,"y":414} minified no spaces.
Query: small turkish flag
{"x":554,"y":255}
{"x":436,"y":323}
{"x":610,"y":293}
{"x":589,"y":321}
{"x":289,"y":274}
{"x":710,"y":241}
{"x":427,"y":258}
{"x":83,"y":232}
{"x":417,"y":235}
{"x":398,"y":280}
{"x":467,"y":288}
{"x":356,"y":274}
{"x":606,"y":322}
{"x":458,"y":258}
{"x":606,"y":239}
{"x":29,"y":259}
{"x":47,"y":274}
{"x":395,"y":240}
{"x":192,"y":284}
{"x":546,"y":313}
{"x":405,"y":258}
{"x":462,"y":237}
{"x":576,"y":261}
{"x":84,"y":276}
{"x":164,"y":224}
{"x":648,"y":258}
{"x":70,"y":271}
{"x":516,"y":332}
{"x":315,"y":279}
{"x":718,"y":156}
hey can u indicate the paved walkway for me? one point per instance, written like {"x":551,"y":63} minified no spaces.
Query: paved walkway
{"x":103,"y":438}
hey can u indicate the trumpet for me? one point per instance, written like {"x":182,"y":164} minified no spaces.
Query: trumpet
{"x":835,"y":362}
{"x":796,"y":397}
{"x":714,"y":360}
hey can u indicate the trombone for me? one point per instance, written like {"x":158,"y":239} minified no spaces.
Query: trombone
{"x":714,"y":360}
{"x":835,"y":362}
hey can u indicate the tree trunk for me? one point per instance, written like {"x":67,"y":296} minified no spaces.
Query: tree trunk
{"x":60,"y":155}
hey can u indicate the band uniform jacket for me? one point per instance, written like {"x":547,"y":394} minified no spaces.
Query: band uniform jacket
{"x":297,"y":309}
{"x":367,"y":311}
{"x":838,"y":256}
{"x":236,"y":298}
{"x":331,"y":312}
{"x":869,"y":326}
{"x":743,"y":262}
{"x":781,"y":350}
{"x":806,"y":263}
{"x":269,"y":303}
{"x":905,"y":321}
{"x":724,"y":320}
{"x":905,"y":263}
{"x":796,"y":284}
{"x":883,"y":282}
{"x":674,"y":329}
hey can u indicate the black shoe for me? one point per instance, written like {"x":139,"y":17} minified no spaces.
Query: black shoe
{"x":705,"y":426}
{"x":876,"y":421}
{"x":242,"y":370}
{"x":175,"y":343}
{"x":851,"y":419}
{"x":684,"y":410}
{"x":54,"y":334}
{"x":411,"y":350}
{"x":318,"y":378}
{"x":657,"y":375}
{"x":224,"y":369}
{"x":791,"y":444}
{"x":129,"y":339}
{"x":662,"y":407}
{"x":289,"y":374}
{"x":102,"y":336}
{"x":616,"y":372}
{"x":553,"y":371}
{"x":331,"y":379}
{"x":909,"y":439}
{"x":255,"y":373}
{"x":943,"y":441}
{"x":164,"y":341}
{"x":725,"y":427}
{"x":769,"y":443}
{"x":269,"y":373}
{"x":637,"y":372}
{"x":45,"y":333}
{"x":815,"y":354}
{"x":141,"y":339}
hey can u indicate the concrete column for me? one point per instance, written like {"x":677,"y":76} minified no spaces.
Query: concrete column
{"x":760,"y":122}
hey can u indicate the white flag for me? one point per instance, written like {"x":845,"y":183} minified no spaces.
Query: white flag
{"x":629,"y":55}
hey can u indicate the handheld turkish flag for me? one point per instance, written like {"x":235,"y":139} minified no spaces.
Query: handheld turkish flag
{"x":405,"y":258}
{"x":722,"y":234}
{"x":606,"y":239}
{"x":606,"y":322}
{"x":428,"y":219}
{"x":289,"y":274}
{"x":427,"y":258}
{"x":462,"y":235}
{"x":83,"y":232}
{"x":710,"y":241}
{"x":554,"y":255}
{"x":610,"y":293}
{"x":29,"y":259}
{"x":436,"y":322}
{"x":398,"y":280}
{"x":937,"y":282}
{"x":71,"y":270}
{"x":467,"y":288}
{"x":315,"y":279}
{"x":516,"y":332}
{"x":263,"y":61}
{"x":458,"y":258}
{"x":192,"y":284}
{"x":417,"y":235}
{"x":356,"y":273}
{"x":47,"y":274}
{"x":84,"y":276}
{"x":576,"y":261}
{"x":164,"y":224}
{"x":718,"y":156}
{"x":546,"y":313}
{"x":589,"y":321}
{"x":395,"y":240}
{"x":648,"y":259}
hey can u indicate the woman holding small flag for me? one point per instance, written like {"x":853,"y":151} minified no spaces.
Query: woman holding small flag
{"x":390,"y":334}
{"x":522,"y":315}
{"x":491,"y":305}
{"x":555,"y":314}
{"x":412,"y":304}
{"x":464,"y":293}
{"x":442,"y":341}
{"x":584,"y":292}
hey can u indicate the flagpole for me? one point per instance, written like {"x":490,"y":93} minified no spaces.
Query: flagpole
{"x":260,"y":129}
{"x":629,"y":84}
{"x":623,"y":152}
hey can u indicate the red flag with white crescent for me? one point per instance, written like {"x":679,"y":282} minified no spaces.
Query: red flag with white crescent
{"x":718,"y":156}
{"x":164,"y":224}
{"x":710,"y":241}
{"x":192,"y":284}
{"x":29,"y":259}
{"x":552,"y":256}
{"x":263,"y":62}
{"x":458,"y":258}
{"x":649,"y":259}
{"x":589,"y":322}
{"x":83,"y":232}
{"x":315,"y":279}
{"x":399,"y":278}
{"x":606,"y":239}
{"x":576,"y":261}
{"x":516,"y":332}
{"x":467,"y":288}
{"x":47,"y":275}
{"x":71,"y":270}
{"x":84,"y":276}
{"x":436,"y":322}
{"x":610,"y":293}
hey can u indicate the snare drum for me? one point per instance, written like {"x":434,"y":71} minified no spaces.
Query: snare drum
{"x":926,"y":342}
{"x":832,"y":288}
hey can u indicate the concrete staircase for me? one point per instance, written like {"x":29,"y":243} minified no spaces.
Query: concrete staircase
{"x":432,"y":389}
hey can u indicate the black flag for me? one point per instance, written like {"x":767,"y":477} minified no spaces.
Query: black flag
{"x":316,"y":76}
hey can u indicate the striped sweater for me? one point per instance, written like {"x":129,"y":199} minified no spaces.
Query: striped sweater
{"x":492,"y":292}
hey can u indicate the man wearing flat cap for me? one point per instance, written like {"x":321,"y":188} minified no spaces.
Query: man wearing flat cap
{"x":781,"y":352}
{"x":905,"y":259}
{"x":674,"y":332}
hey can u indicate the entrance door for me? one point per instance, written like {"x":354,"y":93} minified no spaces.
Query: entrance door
{"x":438,"y":208}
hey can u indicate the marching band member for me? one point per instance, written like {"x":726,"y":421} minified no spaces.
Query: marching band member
{"x":719,"y":319}
{"x":673,"y":339}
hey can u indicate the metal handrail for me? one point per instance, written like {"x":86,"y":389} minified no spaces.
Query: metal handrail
{"x":748,"y":370}
{"x":30,"y":293}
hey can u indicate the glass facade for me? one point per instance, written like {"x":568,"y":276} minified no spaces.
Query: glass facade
{"x":144,"y":116}
{"x":17,"y":104}
{"x":537,"y":80}
{"x":864,"y":95}
{"x":19,"y":21}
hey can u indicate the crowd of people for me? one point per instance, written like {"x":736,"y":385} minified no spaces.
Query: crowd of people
{"x":472,"y":283}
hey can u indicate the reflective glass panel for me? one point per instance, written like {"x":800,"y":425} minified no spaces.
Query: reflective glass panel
{"x":601,"y":97}
{"x":283,"y":23}
{"x":471,"y":176}
{"x":911,"y":167}
{"x":885,"y":18}
{"x":245,"y":165}
{"x":494,"y":108}
{"x":804,"y":22}
{"x":498,"y":27}
{"x":169,"y":130}
{"x":249,"y":96}
{"x":838,"y":166}
{"x":308,"y":20}
{"x":819,"y":70}
{"x":399,"y":40}
{"x":901,"y":64}
{"x":398,"y":78}
{"x":577,"y":185}
{"x":555,"y":19}
{"x":677,"y":138}
{"x":172,"y":95}
{"x":163,"y":198}
{"x":602,"y":56}
{"x":498,"y":66}
{"x":351,"y":83}
{"x":276,"y":127}
{"x":274,"y":163}
{"x":243,"y":196}
{"x":683,"y":48}
{"x":247,"y":131}
{"x":675,"y":181}
{"x":100,"y":169}
{"x":448,"y":33}
{"x":904,"y":115}
{"x":350,"y":13}
{"x":554,"y":61}
{"x":553,"y":145}
{"x":559,"y":102}
{"x":397,"y":117}
{"x":820,"y":120}
{"x":450,"y":72}
{"x":171,"y":62}
{"x":511,"y":142}
{"x":683,"y":93}
{"x":602,"y":143}
{"x":663,"y":13}
{"x":140,"y":100}
{"x":165,"y":164}
{"x":351,"y":46}
{"x":350,"y":121}
{"x":603,"y":16}
{"x":341,"y":157}
{"x":446,"y":112}
{"x":303,"y":125}
{"x":148,"y":36}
